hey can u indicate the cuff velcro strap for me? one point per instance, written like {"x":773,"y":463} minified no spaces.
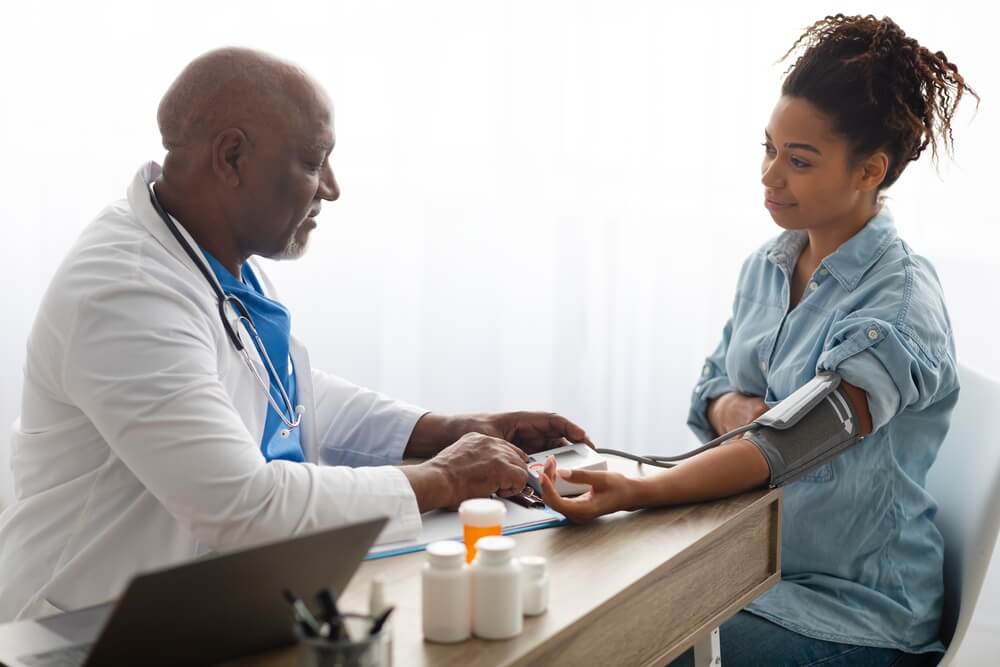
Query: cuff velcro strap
{"x":824,"y":431}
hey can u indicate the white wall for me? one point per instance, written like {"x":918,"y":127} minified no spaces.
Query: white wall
{"x":545,"y":204}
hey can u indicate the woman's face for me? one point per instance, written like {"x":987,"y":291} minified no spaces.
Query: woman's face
{"x":809,"y":180}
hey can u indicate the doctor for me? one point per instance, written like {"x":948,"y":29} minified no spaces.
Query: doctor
{"x":167,"y":411}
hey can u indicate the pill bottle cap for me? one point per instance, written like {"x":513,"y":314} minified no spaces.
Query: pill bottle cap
{"x":482,"y":512}
{"x":494,"y":549}
{"x":533,"y":567}
{"x":446,"y":553}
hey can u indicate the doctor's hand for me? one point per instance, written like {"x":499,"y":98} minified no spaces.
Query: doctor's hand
{"x":609,"y":492}
{"x":732,"y":410}
{"x":475,"y":466}
{"x":531,"y":431}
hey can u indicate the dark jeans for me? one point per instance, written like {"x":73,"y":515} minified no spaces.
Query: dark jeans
{"x":750,"y":641}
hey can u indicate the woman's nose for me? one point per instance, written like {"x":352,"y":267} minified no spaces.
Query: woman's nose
{"x":771,"y":176}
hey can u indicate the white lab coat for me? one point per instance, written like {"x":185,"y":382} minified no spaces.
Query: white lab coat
{"x":138,"y":444}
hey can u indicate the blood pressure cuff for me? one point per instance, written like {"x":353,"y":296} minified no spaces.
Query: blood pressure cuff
{"x":807,"y":429}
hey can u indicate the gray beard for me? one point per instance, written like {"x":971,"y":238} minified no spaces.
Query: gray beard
{"x":295,"y":248}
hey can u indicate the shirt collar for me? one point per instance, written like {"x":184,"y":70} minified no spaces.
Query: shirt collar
{"x":849,"y":263}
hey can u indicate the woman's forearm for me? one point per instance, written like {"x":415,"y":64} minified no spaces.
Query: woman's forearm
{"x":732,"y":468}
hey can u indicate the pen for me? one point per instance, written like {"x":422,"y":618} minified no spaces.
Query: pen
{"x":380,"y":621}
{"x":305,"y":618}
{"x":526,"y":498}
{"x":328,"y":602}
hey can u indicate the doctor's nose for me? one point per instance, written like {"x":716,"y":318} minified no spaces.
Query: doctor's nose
{"x":328,"y":187}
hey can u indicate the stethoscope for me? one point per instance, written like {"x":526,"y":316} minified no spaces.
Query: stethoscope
{"x":294,"y":417}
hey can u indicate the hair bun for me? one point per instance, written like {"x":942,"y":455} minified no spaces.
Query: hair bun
{"x":883,"y":90}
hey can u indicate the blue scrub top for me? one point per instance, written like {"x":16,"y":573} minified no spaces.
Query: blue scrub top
{"x":274,"y":325}
{"x":861,"y":556}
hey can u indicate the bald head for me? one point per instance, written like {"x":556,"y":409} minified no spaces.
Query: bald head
{"x":234,"y":87}
{"x":248,"y":139}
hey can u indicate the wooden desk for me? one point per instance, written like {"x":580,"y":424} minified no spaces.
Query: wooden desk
{"x":628,"y":589}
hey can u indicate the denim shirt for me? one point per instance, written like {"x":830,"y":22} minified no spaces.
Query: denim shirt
{"x":861,"y":556}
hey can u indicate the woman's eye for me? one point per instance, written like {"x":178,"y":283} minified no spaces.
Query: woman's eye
{"x":800,"y":164}
{"x":768,"y":148}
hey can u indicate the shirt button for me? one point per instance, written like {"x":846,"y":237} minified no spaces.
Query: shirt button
{"x":824,"y":272}
{"x":813,"y":285}
{"x":705,"y":371}
{"x":763,"y":366}
{"x":872,"y":334}
{"x":697,"y":388}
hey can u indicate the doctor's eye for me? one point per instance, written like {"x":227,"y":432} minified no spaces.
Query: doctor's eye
{"x":768,"y":148}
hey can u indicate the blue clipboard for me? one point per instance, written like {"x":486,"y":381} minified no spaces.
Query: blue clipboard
{"x":446,"y":526}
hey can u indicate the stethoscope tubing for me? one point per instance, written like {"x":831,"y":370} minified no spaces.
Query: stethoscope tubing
{"x":243,"y":315}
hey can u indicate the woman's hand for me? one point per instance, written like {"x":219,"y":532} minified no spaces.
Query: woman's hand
{"x":732,"y":410}
{"x":609,"y":492}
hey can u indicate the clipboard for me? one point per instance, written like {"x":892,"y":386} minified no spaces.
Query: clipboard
{"x":445,"y":525}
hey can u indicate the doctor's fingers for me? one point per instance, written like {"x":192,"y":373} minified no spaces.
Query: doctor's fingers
{"x":506,"y":467}
{"x":502,"y":477}
{"x":481,"y":464}
{"x":508,"y":474}
{"x":549,"y":430}
{"x":506,"y":449}
{"x":568,"y":430}
{"x":481,"y":447}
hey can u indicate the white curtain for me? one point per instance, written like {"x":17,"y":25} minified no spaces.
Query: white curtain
{"x":545,"y":204}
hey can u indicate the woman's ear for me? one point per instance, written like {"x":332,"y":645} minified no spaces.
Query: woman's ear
{"x":873,"y":170}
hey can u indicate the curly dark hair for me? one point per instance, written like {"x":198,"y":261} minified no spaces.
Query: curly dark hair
{"x":882,"y":89}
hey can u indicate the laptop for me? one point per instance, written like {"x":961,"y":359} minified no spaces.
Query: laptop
{"x":200,"y":613}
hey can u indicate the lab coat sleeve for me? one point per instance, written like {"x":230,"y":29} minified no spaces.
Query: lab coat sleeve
{"x":142,"y":364}
{"x":360,"y":427}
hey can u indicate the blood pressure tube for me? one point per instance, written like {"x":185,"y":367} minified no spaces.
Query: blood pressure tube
{"x":480,"y":517}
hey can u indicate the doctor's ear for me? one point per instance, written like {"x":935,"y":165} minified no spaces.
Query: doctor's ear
{"x":229,"y":151}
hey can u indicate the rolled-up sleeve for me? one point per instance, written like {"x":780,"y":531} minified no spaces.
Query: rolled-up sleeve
{"x":895,"y":367}
{"x":714,"y":382}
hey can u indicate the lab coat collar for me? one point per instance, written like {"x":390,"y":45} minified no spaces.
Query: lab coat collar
{"x":142,"y":207}
{"x":144,"y":211}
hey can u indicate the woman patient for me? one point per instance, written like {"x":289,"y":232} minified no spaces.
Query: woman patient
{"x":838,"y":290}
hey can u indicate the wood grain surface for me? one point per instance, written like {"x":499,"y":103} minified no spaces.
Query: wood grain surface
{"x":627,"y":589}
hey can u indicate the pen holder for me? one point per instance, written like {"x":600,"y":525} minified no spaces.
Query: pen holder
{"x":359,"y":649}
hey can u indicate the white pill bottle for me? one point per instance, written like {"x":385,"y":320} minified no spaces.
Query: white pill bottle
{"x":534,"y":584}
{"x":446,"y":594}
{"x":497,"y":607}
